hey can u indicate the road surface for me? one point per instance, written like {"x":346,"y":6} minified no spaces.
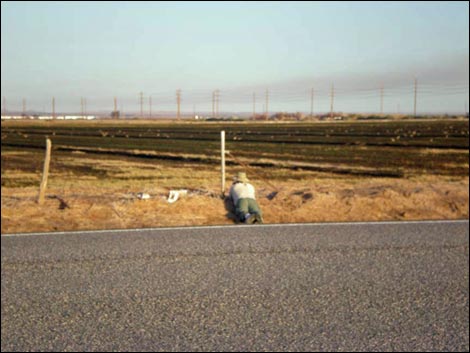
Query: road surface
{"x":336,"y":287}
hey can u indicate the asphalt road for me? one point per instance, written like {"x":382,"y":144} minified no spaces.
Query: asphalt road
{"x":351,"y":287}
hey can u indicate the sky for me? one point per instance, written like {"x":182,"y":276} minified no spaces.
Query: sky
{"x":102,"y":50}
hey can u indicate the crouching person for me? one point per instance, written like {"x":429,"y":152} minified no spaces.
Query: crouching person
{"x":243,"y":197}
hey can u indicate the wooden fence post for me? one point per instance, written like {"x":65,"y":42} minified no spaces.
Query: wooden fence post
{"x":45,"y":172}
{"x":222,"y":155}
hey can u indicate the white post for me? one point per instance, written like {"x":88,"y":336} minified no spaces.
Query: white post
{"x":222,"y":155}
{"x":45,"y":172}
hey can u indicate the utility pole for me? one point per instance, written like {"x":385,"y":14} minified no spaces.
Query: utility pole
{"x":267,"y":104}
{"x":83,"y":106}
{"x":213,"y":104}
{"x":382,"y":99}
{"x":332,"y":96}
{"x":217,"y":99}
{"x":150,"y":106}
{"x":311,"y":102}
{"x":416,"y":96}
{"x":254,"y":105}
{"x":178,"y":103}
{"x":141,"y":104}
{"x":115,"y":114}
{"x":4,"y":106}
{"x":53,"y":107}
{"x":24,"y":107}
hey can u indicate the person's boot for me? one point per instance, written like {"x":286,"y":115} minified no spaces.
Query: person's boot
{"x":250,"y":219}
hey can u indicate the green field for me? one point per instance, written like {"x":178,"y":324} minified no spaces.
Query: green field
{"x":392,"y":148}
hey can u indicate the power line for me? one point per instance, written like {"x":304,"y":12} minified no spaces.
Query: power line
{"x":312,"y":99}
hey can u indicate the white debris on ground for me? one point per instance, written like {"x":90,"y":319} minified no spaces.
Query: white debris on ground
{"x":143,"y":196}
{"x":173,"y":195}
{"x":176,"y":194}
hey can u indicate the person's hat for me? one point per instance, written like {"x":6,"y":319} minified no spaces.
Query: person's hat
{"x":241,"y":177}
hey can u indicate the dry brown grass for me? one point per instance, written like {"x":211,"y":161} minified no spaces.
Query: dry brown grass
{"x":107,"y":199}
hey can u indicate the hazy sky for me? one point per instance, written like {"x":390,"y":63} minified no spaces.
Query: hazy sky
{"x":99,"y":50}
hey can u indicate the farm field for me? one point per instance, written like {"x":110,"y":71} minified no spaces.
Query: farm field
{"x":392,"y":147}
{"x":341,"y":171}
